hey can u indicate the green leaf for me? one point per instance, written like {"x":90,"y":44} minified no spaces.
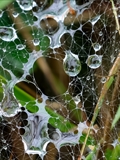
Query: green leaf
{"x":45,"y":43}
{"x":4,"y":73}
{"x":22,"y":95}
{"x":113,"y":154}
{"x":117,"y":117}
{"x":31,"y":107}
{"x":108,"y":154}
{"x":59,"y":121}
{"x":19,"y":57}
{"x":69,"y":101}
{"x":90,"y":140}
{"x":5,"y":3}
{"x":90,"y":156}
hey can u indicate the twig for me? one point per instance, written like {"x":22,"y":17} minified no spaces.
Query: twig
{"x":105,"y":88}
{"x":116,"y":16}
{"x":108,"y":83}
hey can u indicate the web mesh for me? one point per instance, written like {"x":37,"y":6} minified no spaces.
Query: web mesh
{"x":59,"y":80}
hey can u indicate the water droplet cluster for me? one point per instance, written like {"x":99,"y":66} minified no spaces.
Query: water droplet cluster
{"x":55,"y":57}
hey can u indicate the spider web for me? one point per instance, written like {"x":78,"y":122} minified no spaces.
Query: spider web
{"x":55,"y":57}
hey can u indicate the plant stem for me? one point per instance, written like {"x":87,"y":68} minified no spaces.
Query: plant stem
{"x":105,"y":89}
{"x":116,"y":16}
{"x":108,"y":83}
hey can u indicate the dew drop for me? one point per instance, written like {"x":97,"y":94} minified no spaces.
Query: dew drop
{"x":9,"y":105}
{"x":88,"y":78}
{"x":100,"y":33}
{"x":107,"y":102}
{"x":96,"y":46}
{"x":71,"y":64}
{"x":103,"y":80}
{"x":112,"y":58}
{"x":36,"y":42}
{"x":55,"y":135}
{"x":7,"y":33}
{"x":94,"y":61}
{"x":5,"y":148}
{"x":95,"y":19}
{"x":20,"y":46}
{"x":115,"y":143}
{"x":113,"y":37}
{"x":26,"y":5}
{"x":15,"y":14}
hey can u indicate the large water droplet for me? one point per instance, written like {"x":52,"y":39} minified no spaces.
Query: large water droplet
{"x":94,"y":61}
{"x":9,"y":105}
{"x":36,"y":136}
{"x":95,"y":19}
{"x":96,"y":46}
{"x":71,"y":64}
{"x":26,"y":5}
{"x":7,"y":33}
{"x":20,"y":46}
{"x":55,"y":135}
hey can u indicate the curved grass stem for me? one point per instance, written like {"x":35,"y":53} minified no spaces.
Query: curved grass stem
{"x":110,"y":79}
{"x":105,"y":89}
{"x":106,"y":86}
{"x":116,"y":16}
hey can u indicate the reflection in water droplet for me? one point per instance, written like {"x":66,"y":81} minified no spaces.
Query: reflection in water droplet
{"x":100,"y":33}
{"x":55,"y":135}
{"x":20,"y":46}
{"x":96,"y":46}
{"x":26,"y":5}
{"x":7,"y":33}
{"x":15,"y":14}
{"x":103,"y":80}
{"x":88,"y":78}
{"x":36,"y":42}
{"x":95,"y":19}
{"x":107,"y":102}
{"x":9,"y":105}
{"x":71,"y":64}
{"x":94,"y":61}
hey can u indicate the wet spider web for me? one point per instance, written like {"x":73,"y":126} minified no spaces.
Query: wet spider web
{"x":55,"y":57}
